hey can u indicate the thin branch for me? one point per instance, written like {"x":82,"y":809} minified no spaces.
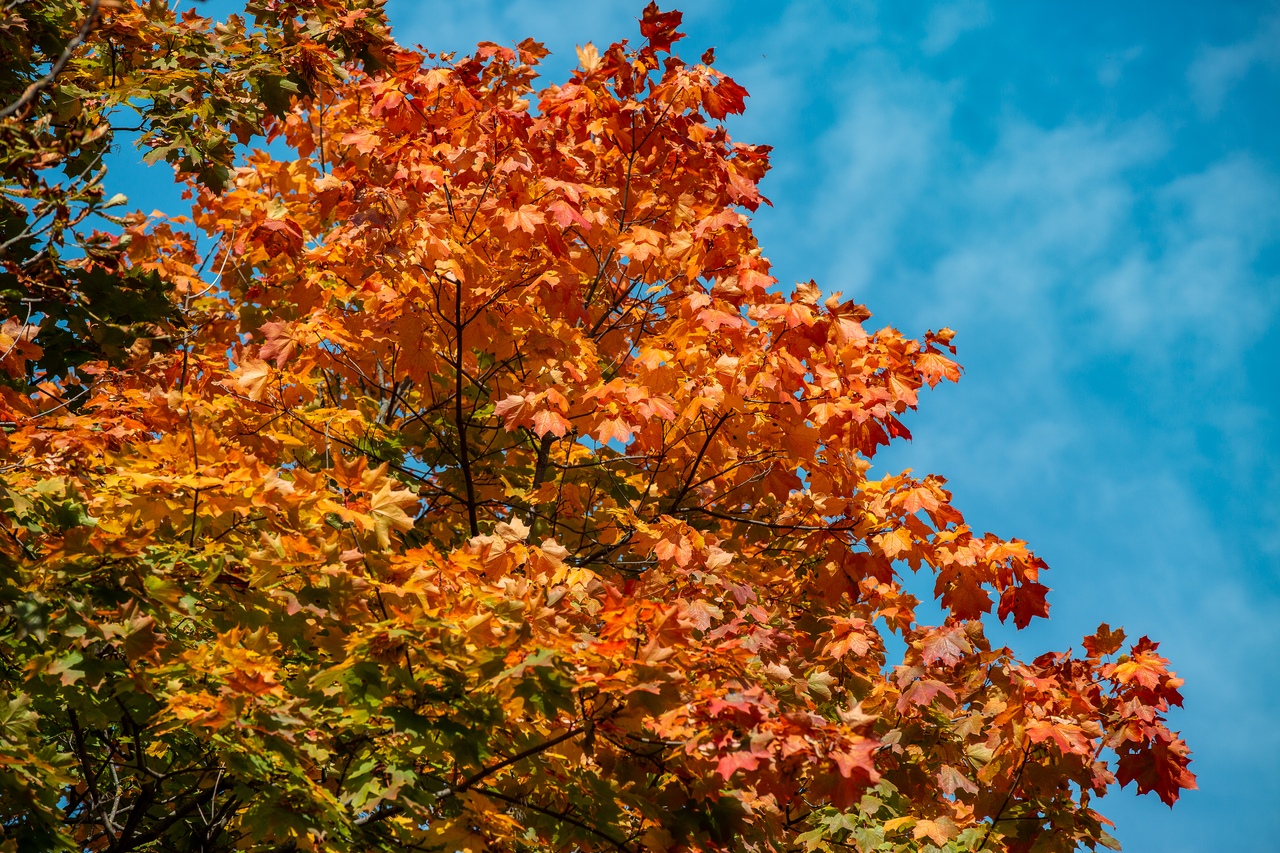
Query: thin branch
{"x":519,"y":756}
{"x":21,"y":332}
{"x":460,"y":422}
{"x":477,"y":777}
{"x":771,"y":525}
{"x":90,"y":779}
{"x":32,"y":91}
{"x":697,"y":462}
{"x":1026,"y":752}
{"x":561,"y":816}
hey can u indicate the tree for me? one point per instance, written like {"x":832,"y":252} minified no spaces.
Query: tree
{"x":479,"y":489}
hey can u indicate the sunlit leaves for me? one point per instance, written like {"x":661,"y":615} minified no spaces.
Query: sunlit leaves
{"x":489,"y":493}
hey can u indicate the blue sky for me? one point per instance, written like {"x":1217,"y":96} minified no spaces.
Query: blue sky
{"x":1089,"y":193}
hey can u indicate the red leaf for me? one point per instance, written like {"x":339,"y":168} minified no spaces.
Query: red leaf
{"x":279,"y":347}
{"x":856,"y":760}
{"x":922,"y":692}
{"x":1160,"y":765}
{"x":1069,"y":738}
{"x":735,"y":761}
{"x":660,"y":27}
{"x":546,"y":421}
{"x":947,"y":645}
{"x":1024,"y":602}
{"x":1104,"y":641}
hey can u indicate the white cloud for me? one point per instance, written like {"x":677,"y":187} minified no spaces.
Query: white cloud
{"x":1113,"y":67}
{"x":1193,"y":282}
{"x":779,"y":61}
{"x":1060,"y":230}
{"x":1216,"y":70}
{"x":947,"y":22}
{"x":1020,"y":233}
{"x":877,"y":160}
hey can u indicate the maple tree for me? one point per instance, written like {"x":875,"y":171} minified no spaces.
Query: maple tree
{"x":476,"y":487}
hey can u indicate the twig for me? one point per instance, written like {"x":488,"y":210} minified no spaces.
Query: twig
{"x":22,"y":331}
{"x":1026,"y":752}
{"x":29,"y":94}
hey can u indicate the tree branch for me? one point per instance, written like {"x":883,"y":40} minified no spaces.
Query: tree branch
{"x":1026,"y":752}
{"x":478,"y":776}
{"x":525,"y":804}
{"x":697,"y":462}
{"x":38,"y":86}
{"x":460,"y":421}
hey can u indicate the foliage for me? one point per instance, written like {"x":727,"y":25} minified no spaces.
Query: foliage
{"x":487,"y":493}
{"x":196,"y":87}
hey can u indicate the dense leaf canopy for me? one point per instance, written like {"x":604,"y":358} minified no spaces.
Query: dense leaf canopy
{"x":477,"y":487}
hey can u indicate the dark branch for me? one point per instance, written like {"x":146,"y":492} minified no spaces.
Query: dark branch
{"x":32,"y":91}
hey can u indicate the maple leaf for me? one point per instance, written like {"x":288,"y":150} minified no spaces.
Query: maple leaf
{"x":547,"y":422}
{"x":364,"y":141}
{"x":526,"y":218}
{"x":16,"y":347}
{"x":589,"y":58}
{"x":922,"y":692}
{"x":1159,"y":765}
{"x":735,"y":761}
{"x":951,"y":780}
{"x":387,"y":506}
{"x":939,"y":831}
{"x":849,"y":636}
{"x":725,"y":98}
{"x":934,"y":368}
{"x":856,"y":759}
{"x":280,"y":236}
{"x":945,"y":645}
{"x":700,"y":614}
{"x":918,"y":498}
{"x":279,"y":346}
{"x":1142,"y":665}
{"x":678,"y":550}
{"x":1104,"y":641}
{"x":1068,"y":737}
{"x":1024,"y":601}
{"x":253,"y":377}
{"x":567,"y":215}
{"x":613,"y":429}
{"x":895,"y":542}
{"x":962,"y":593}
{"x":660,"y":27}
{"x":512,"y":403}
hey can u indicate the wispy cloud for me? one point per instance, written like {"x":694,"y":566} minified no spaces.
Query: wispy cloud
{"x":1115,"y":64}
{"x":949,"y":21}
{"x":1216,"y":70}
{"x":877,"y":160}
{"x":1194,"y":282}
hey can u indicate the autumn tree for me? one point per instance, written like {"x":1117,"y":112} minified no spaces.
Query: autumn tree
{"x":465,"y":481}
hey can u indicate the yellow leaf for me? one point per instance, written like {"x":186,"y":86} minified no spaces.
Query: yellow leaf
{"x":589,"y":57}
{"x":387,"y":508}
{"x":895,"y":542}
{"x":898,"y":823}
{"x":938,"y":831}
{"x":253,"y":377}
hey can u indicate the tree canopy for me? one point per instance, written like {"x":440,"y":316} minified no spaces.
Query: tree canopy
{"x":457,"y":477}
